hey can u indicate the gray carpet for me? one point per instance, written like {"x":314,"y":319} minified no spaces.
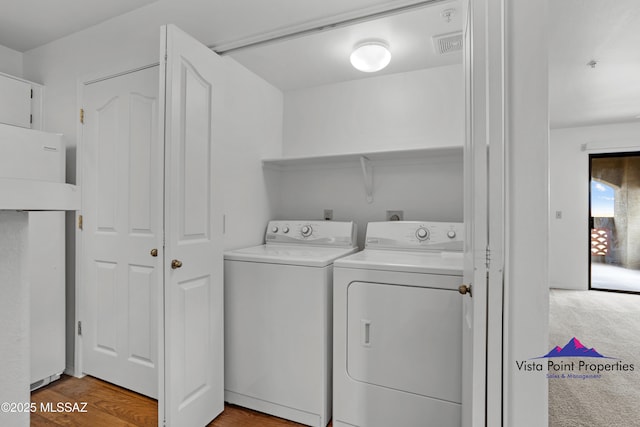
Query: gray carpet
{"x":609,"y":322}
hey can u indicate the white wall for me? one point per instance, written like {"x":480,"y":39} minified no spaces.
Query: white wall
{"x":10,"y":61}
{"x":254,"y":132}
{"x":527,"y":210}
{"x":426,"y":190}
{"x":569,"y":187}
{"x":416,"y":109}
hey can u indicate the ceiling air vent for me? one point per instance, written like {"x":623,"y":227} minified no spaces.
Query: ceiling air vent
{"x":447,"y":43}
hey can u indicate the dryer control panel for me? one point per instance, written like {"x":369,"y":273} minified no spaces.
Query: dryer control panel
{"x":322,"y":233}
{"x":415,"y":235}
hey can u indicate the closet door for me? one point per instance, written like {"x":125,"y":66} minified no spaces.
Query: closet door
{"x":122,"y":224}
{"x":192,"y":384}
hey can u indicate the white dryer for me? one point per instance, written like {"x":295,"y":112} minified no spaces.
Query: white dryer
{"x":278,"y":314}
{"x":397,"y":335}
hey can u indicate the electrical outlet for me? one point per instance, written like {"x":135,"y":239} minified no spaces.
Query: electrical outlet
{"x":328,"y":214}
{"x":395,"y":215}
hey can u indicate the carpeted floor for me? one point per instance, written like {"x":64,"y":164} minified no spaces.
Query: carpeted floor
{"x":610,"y":323}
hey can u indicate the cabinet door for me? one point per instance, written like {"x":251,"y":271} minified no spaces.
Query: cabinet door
{"x":47,"y":294}
{"x":15,"y":104}
{"x":191,"y":92}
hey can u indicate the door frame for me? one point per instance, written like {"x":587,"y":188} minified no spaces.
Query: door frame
{"x":484,"y":205}
{"x":590,"y":157}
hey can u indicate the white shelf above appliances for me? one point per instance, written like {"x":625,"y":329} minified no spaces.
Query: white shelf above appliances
{"x":366,"y":161}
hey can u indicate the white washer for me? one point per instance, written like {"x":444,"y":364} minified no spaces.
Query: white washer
{"x":398,"y":328}
{"x":278,"y":314}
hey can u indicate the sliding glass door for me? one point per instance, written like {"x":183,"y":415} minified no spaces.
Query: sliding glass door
{"x":614,"y":206}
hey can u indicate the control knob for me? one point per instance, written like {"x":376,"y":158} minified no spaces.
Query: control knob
{"x":285,"y":229}
{"x":306,"y":231}
{"x":274,"y":229}
{"x":422,"y":233}
{"x":451,"y":234}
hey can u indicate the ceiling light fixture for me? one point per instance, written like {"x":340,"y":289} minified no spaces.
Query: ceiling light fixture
{"x":370,"y":56}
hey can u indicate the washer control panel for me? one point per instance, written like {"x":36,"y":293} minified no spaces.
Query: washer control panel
{"x":420,"y":235}
{"x":324,"y":233}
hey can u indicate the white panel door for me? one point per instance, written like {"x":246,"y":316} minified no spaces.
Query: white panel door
{"x":122,"y":212}
{"x":193,"y":292}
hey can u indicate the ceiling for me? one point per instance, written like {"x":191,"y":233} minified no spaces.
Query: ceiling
{"x":578,"y":32}
{"x":607,"y":32}
{"x":27,"y":24}
{"x":323,"y":57}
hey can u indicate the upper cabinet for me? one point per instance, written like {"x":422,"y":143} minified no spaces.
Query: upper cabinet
{"x":20,"y":102}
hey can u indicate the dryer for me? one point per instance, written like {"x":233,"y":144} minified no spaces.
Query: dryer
{"x":398,"y":328}
{"x":278,"y":314}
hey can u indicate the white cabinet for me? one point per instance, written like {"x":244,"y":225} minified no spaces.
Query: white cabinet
{"x":20,"y":102}
{"x":30,"y":159}
{"x":46,"y":276}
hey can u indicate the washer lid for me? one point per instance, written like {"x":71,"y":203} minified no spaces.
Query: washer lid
{"x":309,"y":256}
{"x":448,"y":263}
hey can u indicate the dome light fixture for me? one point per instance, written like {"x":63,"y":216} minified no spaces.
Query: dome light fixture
{"x":370,"y":56}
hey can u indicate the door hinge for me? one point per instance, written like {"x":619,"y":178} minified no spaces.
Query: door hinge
{"x":82,"y":115}
{"x":487,"y":257}
{"x":31,"y":93}
{"x":31,"y":118}
{"x":79,"y":327}
{"x":80,"y":219}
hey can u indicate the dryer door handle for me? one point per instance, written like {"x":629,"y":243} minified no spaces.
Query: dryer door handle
{"x":365,"y":332}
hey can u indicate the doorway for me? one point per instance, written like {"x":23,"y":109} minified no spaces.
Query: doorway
{"x":614,"y":222}
{"x":122,"y":170}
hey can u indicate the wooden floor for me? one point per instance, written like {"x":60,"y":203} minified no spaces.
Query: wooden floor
{"x":112,"y":406}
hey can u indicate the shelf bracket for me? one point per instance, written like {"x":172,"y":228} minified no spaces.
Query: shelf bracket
{"x":367,"y":175}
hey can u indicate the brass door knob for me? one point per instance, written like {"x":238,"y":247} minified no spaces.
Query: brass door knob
{"x":464,"y":289}
{"x":176,"y":264}
{"x":154,"y":252}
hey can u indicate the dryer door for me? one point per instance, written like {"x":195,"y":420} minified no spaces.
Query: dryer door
{"x":406,"y":338}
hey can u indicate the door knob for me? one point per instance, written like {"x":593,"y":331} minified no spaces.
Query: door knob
{"x":176,"y":264}
{"x":464,"y":289}
{"x":154,"y":252}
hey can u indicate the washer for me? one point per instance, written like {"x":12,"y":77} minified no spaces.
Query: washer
{"x":278,"y":314}
{"x":398,"y":328}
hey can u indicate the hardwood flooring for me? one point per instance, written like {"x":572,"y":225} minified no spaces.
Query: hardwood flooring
{"x":110,"y":406}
